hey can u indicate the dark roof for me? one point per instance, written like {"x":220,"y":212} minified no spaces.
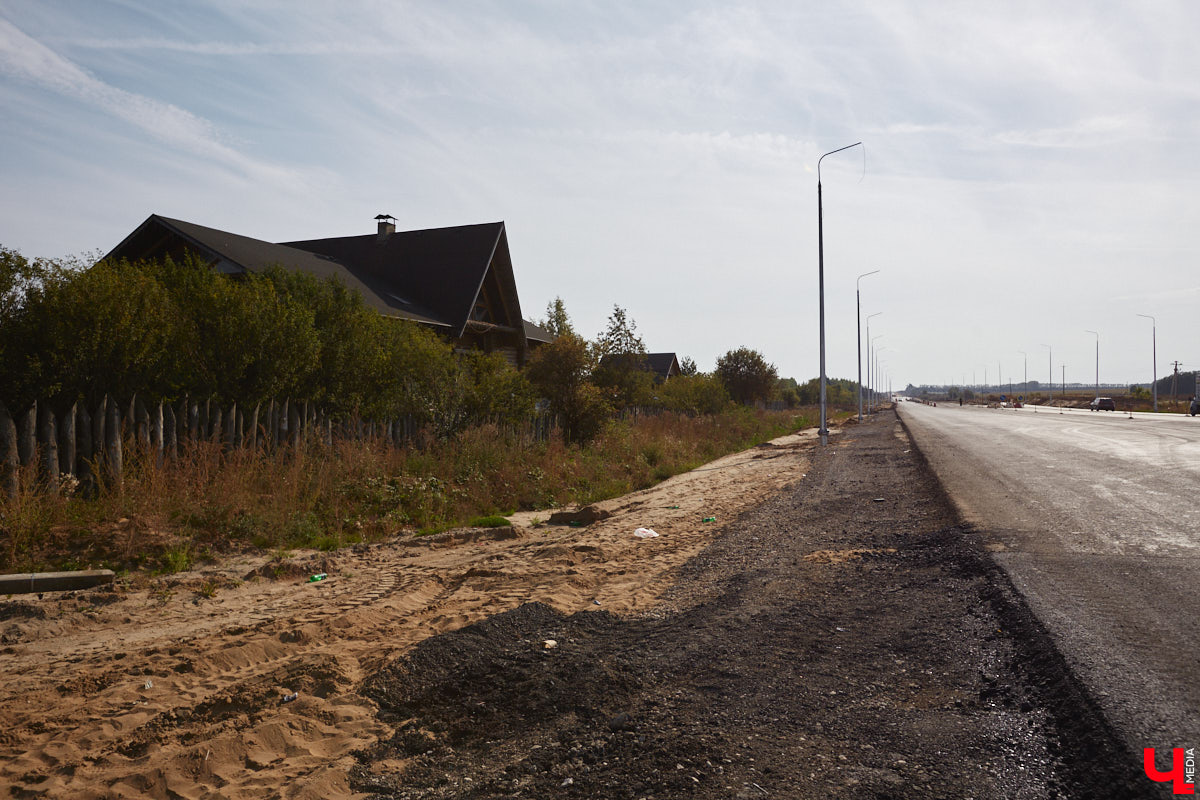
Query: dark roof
{"x":663,"y":365}
{"x":439,"y":269}
{"x":232,"y":253}
{"x":433,"y":276}
{"x":537,"y":333}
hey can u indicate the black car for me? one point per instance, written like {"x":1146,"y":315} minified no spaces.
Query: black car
{"x":1194,"y":406}
{"x":1104,"y":404}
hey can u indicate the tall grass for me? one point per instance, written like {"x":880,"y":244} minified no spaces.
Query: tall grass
{"x":213,"y":502}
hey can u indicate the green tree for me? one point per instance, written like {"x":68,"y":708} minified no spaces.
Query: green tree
{"x":558,"y":372}
{"x":347,"y":377}
{"x":240,"y":339}
{"x":694,"y":394}
{"x":622,"y":370}
{"x":687,"y":366}
{"x":746,"y":375}
{"x":620,"y":336}
{"x":557,"y":321}
{"x":79,"y":334}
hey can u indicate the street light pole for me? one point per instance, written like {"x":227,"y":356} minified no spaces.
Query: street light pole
{"x":873,"y":370}
{"x":1153,"y":356}
{"x":858,"y":331}
{"x":878,"y":366}
{"x":869,"y":384}
{"x":824,"y":430}
{"x":1097,"y":361}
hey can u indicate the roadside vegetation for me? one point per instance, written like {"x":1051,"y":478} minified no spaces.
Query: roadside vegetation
{"x":75,"y":333}
{"x":168,"y":520}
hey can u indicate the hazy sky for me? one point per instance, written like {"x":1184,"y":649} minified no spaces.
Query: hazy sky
{"x":1031,"y":169}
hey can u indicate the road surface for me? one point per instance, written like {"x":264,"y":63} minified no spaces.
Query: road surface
{"x":1096,"y":518}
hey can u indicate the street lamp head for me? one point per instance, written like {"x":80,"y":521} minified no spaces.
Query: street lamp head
{"x":831,"y":152}
{"x":865,"y":274}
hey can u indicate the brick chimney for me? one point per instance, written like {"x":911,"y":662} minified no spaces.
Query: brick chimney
{"x":387,"y":226}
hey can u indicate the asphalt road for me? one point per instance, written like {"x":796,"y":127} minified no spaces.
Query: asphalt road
{"x":1096,"y":518}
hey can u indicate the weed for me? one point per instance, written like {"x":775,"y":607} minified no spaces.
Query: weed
{"x":177,"y":559}
{"x":491,"y":521}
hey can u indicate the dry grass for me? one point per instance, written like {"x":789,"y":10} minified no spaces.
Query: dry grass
{"x":212,"y":502}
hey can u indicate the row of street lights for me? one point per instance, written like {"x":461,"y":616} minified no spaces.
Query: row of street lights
{"x":1050,"y":360}
{"x":873,"y":363}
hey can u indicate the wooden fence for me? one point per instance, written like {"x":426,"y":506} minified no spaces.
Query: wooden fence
{"x":91,"y":446}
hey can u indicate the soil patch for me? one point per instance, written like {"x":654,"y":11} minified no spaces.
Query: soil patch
{"x":846,"y":638}
{"x":175,"y":686}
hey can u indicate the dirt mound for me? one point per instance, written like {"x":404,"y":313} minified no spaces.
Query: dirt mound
{"x":527,"y":701}
{"x":584,"y":516}
{"x":15,"y":609}
{"x":286,"y":569}
{"x":458,"y":536}
{"x":498,"y":677}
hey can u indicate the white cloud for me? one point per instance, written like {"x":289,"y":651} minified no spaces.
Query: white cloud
{"x":27,"y":59}
{"x":215,"y":48}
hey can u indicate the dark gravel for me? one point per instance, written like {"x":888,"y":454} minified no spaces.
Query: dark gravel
{"x":846,"y":639}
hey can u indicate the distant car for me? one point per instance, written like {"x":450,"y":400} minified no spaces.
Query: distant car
{"x":1194,"y":406}
{"x":1104,"y":404}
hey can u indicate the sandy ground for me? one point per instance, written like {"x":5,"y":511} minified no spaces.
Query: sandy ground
{"x":177,"y":689}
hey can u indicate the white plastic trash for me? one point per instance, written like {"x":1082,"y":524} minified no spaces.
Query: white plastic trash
{"x":645,"y":533}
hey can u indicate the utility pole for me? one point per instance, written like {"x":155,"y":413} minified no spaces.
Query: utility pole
{"x":1064,"y":394}
{"x":1175,"y":383}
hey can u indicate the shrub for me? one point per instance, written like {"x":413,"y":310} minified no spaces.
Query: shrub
{"x":491,"y":521}
{"x":694,"y":394}
{"x":747,"y":375}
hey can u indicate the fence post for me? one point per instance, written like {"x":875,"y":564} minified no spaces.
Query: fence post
{"x":99,"y":431}
{"x":48,"y":436}
{"x":271,"y":426}
{"x":215,"y":427}
{"x":293,"y":421}
{"x":141,"y":422}
{"x":83,"y":449}
{"x":193,"y":421}
{"x":27,"y":436}
{"x":10,"y":480}
{"x":156,"y":433}
{"x":114,"y":461}
{"x":170,"y":433}
{"x":66,"y":442}
{"x":281,"y":421}
{"x":252,"y":428}
{"x":230,"y":430}
{"x":181,"y":431}
{"x":233,"y":426}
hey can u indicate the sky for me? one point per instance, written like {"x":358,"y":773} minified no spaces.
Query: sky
{"x":1029,"y":171}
